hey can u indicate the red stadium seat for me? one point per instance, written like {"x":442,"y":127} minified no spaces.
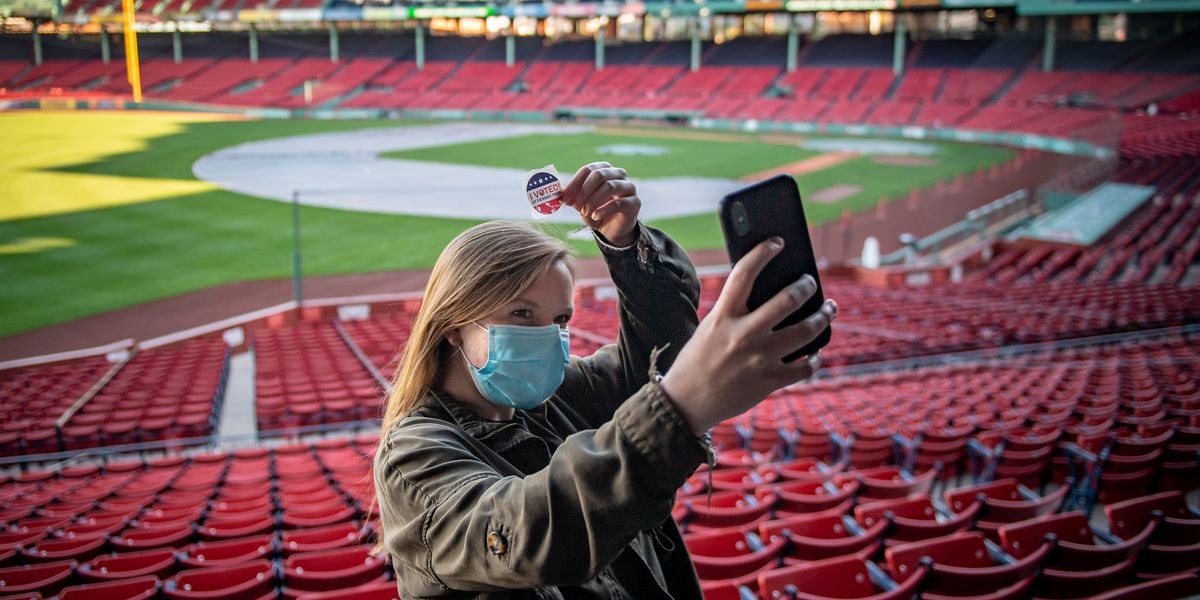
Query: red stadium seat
{"x":742,"y":480}
{"x":140,"y":588}
{"x":805,"y":469}
{"x":318,"y":515}
{"x":246,"y":581}
{"x":822,"y":535}
{"x":913,"y":519}
{"x":385,"y":590}
{"x":963,"y":564}
{"x":725,"y":509}
{"x":1186,"y":585}
{"x":144,"y":539}
{"x":1077,"y":566}
{"x":804,"y":497}
{"x":731,"y":554}
{"x":1175,"y":545}
{"x":159,"y":562}
{"x":1003,"y":501}
{"x":227,"y":552}
{"x":845,"y":577}
{"x":886,"y":483}
{"x":56,"y":549}
{"x":331,"y":570}
{"x":321,"y":538}
{"x":46,"y":579}
{"x":228,"y":528}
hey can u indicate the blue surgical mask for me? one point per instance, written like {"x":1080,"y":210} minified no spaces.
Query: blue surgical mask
{"x":525,"y":365}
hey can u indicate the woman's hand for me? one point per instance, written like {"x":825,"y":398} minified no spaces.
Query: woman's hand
{"x":734,"y":359}
{"x":606,"y":199}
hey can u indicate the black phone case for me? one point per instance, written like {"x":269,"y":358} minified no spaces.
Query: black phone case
{"x":773,"y":208}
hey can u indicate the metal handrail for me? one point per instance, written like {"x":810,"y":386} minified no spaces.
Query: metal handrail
{"x":255,"y":439}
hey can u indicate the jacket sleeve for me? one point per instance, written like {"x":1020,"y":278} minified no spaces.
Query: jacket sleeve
{"x":657,"y":298}
{"x":452,"y":518}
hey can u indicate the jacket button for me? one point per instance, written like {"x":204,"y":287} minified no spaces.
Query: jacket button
{"x":497,"y":544}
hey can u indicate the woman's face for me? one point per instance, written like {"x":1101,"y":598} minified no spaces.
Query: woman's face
{"x":547,"y":301}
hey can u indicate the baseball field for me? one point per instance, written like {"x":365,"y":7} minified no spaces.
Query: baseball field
{"x":102,"y":210}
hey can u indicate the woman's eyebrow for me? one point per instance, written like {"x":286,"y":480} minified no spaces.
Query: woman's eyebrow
{"x":524,"y":300}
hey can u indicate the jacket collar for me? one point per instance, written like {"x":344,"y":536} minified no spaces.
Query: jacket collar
{"x":510,"y":439}
{"x":462,"y":415}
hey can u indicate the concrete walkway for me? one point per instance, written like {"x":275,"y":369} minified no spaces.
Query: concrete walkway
{"x":238,"y":417}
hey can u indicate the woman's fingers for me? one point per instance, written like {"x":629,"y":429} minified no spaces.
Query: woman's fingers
{"x":793,"y":337}
{"x":607,"y":190}
{"x":785,"y":302}
{"x":733,"y":298}
{"x":623,"y":204}
{"x":598,"y":183}
{"x":801,"y":369}
{"x":571,"y":191}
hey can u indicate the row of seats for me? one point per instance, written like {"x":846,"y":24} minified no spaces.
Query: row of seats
{"x":306,"y":374}
{"x":965,"y":317}
{"x":195,"y":528}
{"x":969,"y":316}
{"x":1159,"y":244}
{"x":159,"y":394}
{"x":922,"y":96}
{"x":295,"y":520}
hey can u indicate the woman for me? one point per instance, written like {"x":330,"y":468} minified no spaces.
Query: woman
{"x":506,"y":468}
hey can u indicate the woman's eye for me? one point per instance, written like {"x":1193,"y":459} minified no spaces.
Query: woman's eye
{"x":562,"y":319}
{"x":523,"y":313}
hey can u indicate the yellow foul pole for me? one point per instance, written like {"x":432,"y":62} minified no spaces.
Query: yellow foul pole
{"x":132,"y":64}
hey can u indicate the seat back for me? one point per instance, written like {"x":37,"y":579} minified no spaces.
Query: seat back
{"x":1011,"y":511}
{"x":1022,"y":539}
{"x":1185,"y":585}
{"x":141,"y":588}
{"x":917,"y":509}
{"x":247,"y":581}
{"x":716,"y":543}
{"x":845,"y":577}
{"x":960,"y":550}
{"x":1003,"y":489}
{"x":1129,"y":517}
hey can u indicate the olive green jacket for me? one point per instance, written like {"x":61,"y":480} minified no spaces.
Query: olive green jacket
{"x":571,"y":499}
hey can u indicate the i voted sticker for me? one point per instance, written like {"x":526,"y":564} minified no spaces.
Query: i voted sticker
{"x":544,"y":190}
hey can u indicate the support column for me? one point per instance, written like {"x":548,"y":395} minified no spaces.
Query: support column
{"x":793,"y":45}
{"x":335,"y":50}
{"x":1050,"y":43}
{"x":420,"y":47}
{"x":177,"y":45}
{"x":105,"y":46}
{"x":253,"y":45}
{"x":600,"y":33}
{"x":510,"y":50}
{"x":901,"y":45}
{"x":695,"y":44}
{"x":37,"y":45}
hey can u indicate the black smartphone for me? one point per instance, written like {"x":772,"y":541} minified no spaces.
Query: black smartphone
{"x":763,"y":210}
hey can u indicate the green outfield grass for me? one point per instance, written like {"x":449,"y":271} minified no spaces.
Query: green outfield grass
{"x":740,"y":156}
{"x":686,"y":157}
{"x":136,"y":245}
{"x":100,"y":211}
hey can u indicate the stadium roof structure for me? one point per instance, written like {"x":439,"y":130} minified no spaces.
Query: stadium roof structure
{"x":52,"y":9}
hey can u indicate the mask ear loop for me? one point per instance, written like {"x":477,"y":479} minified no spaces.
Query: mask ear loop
{"x":464,"y":352}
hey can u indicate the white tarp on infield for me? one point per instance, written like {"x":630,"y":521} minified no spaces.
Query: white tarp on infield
{"x":343,"y":170}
